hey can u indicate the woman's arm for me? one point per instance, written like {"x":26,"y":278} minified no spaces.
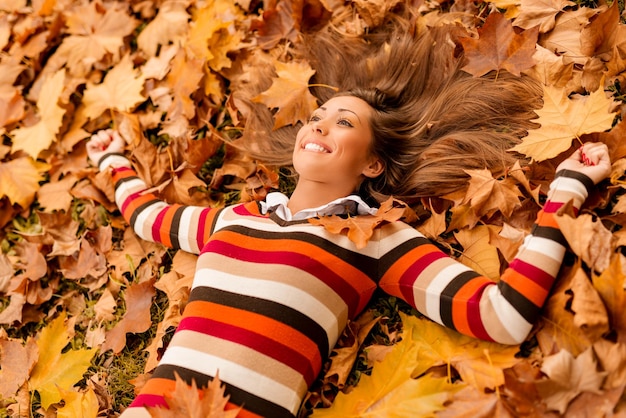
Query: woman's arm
{"x":176,"y":226}
{"x":456,"y":296}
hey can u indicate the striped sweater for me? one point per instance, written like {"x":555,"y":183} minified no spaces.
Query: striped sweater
{"x":270,"y":297}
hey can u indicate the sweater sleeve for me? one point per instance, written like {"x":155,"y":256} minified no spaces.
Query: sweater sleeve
{"x":175,"y":226}
{"x":455,"y":296}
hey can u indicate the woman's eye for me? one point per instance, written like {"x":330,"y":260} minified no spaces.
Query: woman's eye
{"x":314,"y":118}
{"x":345,"y":122}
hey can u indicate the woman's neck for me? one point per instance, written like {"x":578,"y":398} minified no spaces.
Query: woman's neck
{"x":312,"y":194}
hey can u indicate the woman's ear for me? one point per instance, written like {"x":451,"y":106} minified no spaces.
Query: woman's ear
{"x":375,"y":168}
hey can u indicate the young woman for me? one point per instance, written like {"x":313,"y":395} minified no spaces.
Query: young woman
{"x":273,"y":292}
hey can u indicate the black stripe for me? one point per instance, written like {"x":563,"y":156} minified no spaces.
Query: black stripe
{"x":586,"y":181}
{"x":367,"y":265}
{"x":448,"y":294}
{"x":269,"y":309}
{"x":175,"y":227}
{"x":549,"y":233}
{"x":139,"y":209}
{"x":124,"y":180}
{"x":525,"y":307}
{"x":238,"y":396}
{"x":105,"y":156}
{"x":393,"y":256}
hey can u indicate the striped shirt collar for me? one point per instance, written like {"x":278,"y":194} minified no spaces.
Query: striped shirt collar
{"x":277,"y":202}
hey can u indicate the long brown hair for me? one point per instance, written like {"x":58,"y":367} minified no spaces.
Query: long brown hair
{"x":432,"y":121}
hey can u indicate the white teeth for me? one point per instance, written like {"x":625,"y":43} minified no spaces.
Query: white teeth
{"x":314,"y":147}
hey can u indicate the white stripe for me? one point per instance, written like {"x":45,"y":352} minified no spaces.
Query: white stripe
{"x":545,"y":247}
{"x":233,"y":373}
{"x":114,"y":160}
{"x":437,"y":285}
{"x":186,"y":242}
{"x":147,"y":216}
{"x":278,"y":292}
{"x":515,"y":323}
{"x":127,"y":188}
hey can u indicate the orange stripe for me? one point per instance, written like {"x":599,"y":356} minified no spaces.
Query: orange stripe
{"x":401,"y":265}
{"x":529,"y":289}
{"x":255,"y":323}
{"x":243,"y":413}
{"x":166,"y":225}
{"x":208,"y":224}
{"x":158,"y":386}
{"x":136,"y":202}
{"x":459,"y":304}
{"x":123,"y":174}
{"x":355,"y":277}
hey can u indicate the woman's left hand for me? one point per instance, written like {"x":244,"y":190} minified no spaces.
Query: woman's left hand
{"x":592,"y":160}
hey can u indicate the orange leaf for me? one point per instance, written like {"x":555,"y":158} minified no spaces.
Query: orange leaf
{"x":360,"y":228}
{"x":290,"y":94}
{"x":499,"y":48}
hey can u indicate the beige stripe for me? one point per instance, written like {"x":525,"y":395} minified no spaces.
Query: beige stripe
{"x":243,"y":356}
{"x":541,"y":260}
{"x":498,"y":320}
{"x":291,"y":276}
{"x":424,"y":281}
{"x":135,"y":412}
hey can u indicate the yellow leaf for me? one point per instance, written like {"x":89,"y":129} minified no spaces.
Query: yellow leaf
{"x":488,"y":195}
{"x":56,"y":369}
{"x":169,"y":26}
{"x":38,"y":137}
{"x":563,"y":119}
{"x":120,"y":90}
{"x":478,"y":253}
{"x":77,"y":404}
{"x":19,"y":180}
{"x":290,"y":93}
{"x":391,"y":391}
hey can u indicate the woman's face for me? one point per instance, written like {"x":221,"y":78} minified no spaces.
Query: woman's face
{"x":335,"y":144}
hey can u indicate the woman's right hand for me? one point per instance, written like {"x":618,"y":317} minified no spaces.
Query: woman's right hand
{"x":592,"y":160}
{"x":104,"y":142}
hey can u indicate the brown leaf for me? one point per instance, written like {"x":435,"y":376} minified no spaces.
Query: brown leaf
{"x":488,"y":195}
{"x":360,"y":228}
{"x":290,"y":93}
{"x":590,"y":314}
{"x":16,"y":362}
{"x":588,"y":239}
{"x":138,"y":299}
{"x":190,"y":402}
{"x":499,"y":48}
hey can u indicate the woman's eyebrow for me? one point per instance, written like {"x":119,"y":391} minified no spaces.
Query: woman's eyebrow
{"x":351,"y":111}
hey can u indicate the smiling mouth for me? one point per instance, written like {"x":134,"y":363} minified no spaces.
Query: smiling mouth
{"x":312,"y":146}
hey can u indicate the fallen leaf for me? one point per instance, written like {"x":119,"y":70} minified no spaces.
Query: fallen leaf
{"x":55,"y":368}
{"x":478,"y":253}
{"x":498,"y":47}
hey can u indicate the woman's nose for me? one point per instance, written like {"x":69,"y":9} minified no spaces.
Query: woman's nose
{"x":319,"y":128}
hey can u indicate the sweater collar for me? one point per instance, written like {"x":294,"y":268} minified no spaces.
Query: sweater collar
{"x":353,"y":204}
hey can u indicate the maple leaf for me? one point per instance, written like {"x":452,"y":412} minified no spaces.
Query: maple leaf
{"x":138,"y":298}
{"x":78,"y":404}
{"x":360,"y":228}
{"x":603,"y":33}
{"x":169,"y":26}
{"x":56,"y":195}
{"x":95,"y":31}
{"x":290,"y":93}
{"x":564,"y":39}
{"x":590,"y":314}
{"x":277,"y":24}
{"x":588,"y":239}
{"x":610,"y":286}
{"x":499,"y":48}
{"x":120,"y":90}
{"x":19,"y":180}
{"x":38,"y":137}
{"x":183,"y":79}
{"x":568,"y":377}
{"x":488,"y":195}
{"x":391,"y":389}
{"x":16,"y":363}
{"x":540,"y":13}
{"x":562,"y":119}
{"x":190,"y":402}
{"x":478,"y":253}
{"x":54,"y":368}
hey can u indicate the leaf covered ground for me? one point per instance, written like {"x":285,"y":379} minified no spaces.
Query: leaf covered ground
{"x":86,"y":307}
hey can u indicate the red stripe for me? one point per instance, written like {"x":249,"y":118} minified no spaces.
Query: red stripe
{"x":533,"y":273}
{"x":156,"y":226}
{"x":257,"y":342}
{"x":408,"y":278}
{"x":202,"y":227}
{"x":148,"y":400}
{"x":473,"y":314}
{"x":287,"y":258}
